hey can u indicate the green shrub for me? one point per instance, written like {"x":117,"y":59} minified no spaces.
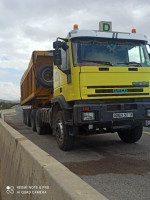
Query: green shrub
{"x":6,"y":105}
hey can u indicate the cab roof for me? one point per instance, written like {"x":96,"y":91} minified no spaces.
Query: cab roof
{"x":99,"y":34}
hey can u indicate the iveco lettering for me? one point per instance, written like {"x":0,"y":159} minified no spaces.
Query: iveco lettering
{"x":120,"y":90}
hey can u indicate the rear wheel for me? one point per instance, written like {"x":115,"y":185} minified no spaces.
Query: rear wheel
{"x":132,"y":135}
{"x":28,"y":115}
{"x":48,"y":129}
{"x":64,"y":140}
{"x":24,"y":113}
{"x":40,"y":128}
{"x":33,"y":119}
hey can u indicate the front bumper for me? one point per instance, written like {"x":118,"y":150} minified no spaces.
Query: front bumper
{"x":105,"y":114}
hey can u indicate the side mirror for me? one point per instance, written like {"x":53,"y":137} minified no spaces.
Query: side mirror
{"x":57,"y":57}
{"x":64,"y":46}
{"x":57,"y":44}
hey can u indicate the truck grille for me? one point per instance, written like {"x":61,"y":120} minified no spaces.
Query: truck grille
{"x":118,"y":107}
{"x":108,"y":91}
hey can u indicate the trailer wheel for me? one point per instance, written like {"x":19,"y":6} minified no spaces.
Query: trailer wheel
{"x":45,"y":76}
{"x":33,"y":119}
{"x":28,"y":117}
{"x":48,"y":129}
{"x":64,"y":140}
{"x":24,"y":115}
{"x":39,"y":125}
{"x":131,"y":136}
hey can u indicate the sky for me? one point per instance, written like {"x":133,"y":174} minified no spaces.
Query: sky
{"x":28,"y":25}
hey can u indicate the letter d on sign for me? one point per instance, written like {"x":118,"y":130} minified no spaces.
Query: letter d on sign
{"x":105,"y":26}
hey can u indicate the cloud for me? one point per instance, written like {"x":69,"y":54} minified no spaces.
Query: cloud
{"x":33,"y":25}
{"x":3,"y":73}
{"x":9,"y":91}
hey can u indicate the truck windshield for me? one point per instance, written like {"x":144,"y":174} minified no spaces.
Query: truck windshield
{"x":110,"y":52}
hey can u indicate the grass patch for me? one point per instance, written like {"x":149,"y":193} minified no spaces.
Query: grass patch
{"x":7,"y":105}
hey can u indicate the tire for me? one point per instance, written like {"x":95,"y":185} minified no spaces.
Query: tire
{"x":64,"y":140}
{"x":48,"y":129}
{"x":33,"y":119}
{"x":132,"y":135}
{"x":40,"y":128}
{"x":45,"y":76}
{"x":28,"y":115}
{"x":24,"y":113}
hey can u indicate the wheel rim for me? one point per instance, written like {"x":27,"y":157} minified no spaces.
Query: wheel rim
{"x":59,"y":131}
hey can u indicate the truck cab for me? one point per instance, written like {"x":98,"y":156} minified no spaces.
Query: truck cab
{"x":102,"y":78}
{"x":93,"y":82}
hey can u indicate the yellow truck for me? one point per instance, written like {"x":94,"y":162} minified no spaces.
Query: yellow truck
{"x":93,"y":82}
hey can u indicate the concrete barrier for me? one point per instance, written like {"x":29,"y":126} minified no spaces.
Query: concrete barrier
{"x":4,"y":112}
{"x":29,"y":173}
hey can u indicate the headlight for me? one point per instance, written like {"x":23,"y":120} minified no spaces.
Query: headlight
{"x":87,"y":116}
{"x":148,"y":113}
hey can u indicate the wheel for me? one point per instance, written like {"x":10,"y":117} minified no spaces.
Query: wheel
{"x":48,"y":129}
{"x":132,"y":135}
{"x":40,"y":128}
{"x":45,"y":76}
{"x":28,"y":115}
{"x":24,"y":116}
{"x":64,"y":140}
{"x":33,"y":119}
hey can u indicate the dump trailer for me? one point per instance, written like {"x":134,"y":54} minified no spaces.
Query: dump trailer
{"x":37,"y":85}
{"x":93,"y":82}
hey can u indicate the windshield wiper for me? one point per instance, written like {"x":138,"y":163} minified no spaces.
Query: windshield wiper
{"x":131,"y":63}
{"x":99,"y":62}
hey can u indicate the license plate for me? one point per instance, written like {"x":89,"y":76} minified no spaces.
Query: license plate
{"x":122,"y":115}
{"x":147,"y":122}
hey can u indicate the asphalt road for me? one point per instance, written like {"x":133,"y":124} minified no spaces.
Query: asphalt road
{"x":118,"y":170}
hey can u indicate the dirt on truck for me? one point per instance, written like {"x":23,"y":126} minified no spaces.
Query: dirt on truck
{"x":94,"y":81}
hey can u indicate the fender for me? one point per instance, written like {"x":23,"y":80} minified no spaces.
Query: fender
{"x":62,"y":102}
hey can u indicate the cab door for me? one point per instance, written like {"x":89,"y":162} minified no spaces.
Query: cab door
{"x":62,"y":76}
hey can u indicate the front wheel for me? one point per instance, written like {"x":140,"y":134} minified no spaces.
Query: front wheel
{"x":64,"y":140}
{"x":132,"y":135}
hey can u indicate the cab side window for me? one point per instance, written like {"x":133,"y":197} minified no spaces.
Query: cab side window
{"x":65,"y":60}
